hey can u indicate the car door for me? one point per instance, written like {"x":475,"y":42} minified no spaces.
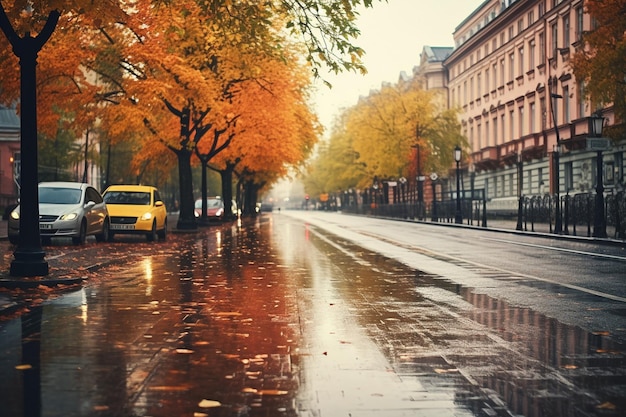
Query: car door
{"x":96,"y":215}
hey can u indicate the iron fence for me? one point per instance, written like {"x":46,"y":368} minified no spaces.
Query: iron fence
{"x":534,"y":213}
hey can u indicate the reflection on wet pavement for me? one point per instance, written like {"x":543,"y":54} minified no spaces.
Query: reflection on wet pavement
{"x":278,"y":319}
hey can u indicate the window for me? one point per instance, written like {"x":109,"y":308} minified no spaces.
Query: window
{"x":502,"y":71}
{"x":579,"y":23}
{"x":479,"y":85}
{"x":464,"y":92}
{"x":542,"y":48}
{"x":494,"y":44}
{"x":495,"y":131}
{"x":566,"y":111}
{"x":501,"y":38}
{"x":520,"y":58}
{"x":554,"y":30}
{"x":531,"y":54}
{"x":486,"y":50}
{"x":511,"y":125}
{"x":542,"y":109}
{"x":480,"y":139}
{"x":495,"y":75}
{"x":502,"y":132}
{"x":542,"y":8}
{"x":569,"y":176}
{"x":566,"y":39}
{"x":520,"y":25}
{"x":555,"y":110}
{"x":471,"y":89}
{"x":511,"y":67}
{"x":531,"y":17}
{"x":511,"y":33}
{"x":581,"y":99}
{"x":533,"y":118}
{"x":486,"y":80}
{"x":487,"y":138}
{"x":520,"y":126}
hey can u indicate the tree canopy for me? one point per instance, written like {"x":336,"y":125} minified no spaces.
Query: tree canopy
{"x":600,"y":62}
{"x":378,"y":136}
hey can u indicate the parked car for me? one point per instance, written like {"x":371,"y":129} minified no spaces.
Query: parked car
{"x":66,"y":209}
{"x":215,"y":208}
{"x":136,"y":209}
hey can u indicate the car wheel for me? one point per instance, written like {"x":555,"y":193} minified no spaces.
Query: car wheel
{"x":14,"y":239}
{"x":104,"y":236}
{"x":163,"y":232}
{"x":111,"y":236}
{"x":82,"y":234}
{"x":152,"y":235}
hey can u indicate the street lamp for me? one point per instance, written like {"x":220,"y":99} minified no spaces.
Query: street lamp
{"x":458,"y":218}
{"x":520,"y":185}
{"x":29,"y":257}
{"x":599,"y":221}
{"x":557,"y":163}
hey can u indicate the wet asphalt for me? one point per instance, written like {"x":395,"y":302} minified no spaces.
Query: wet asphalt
{"x":267,"y":317}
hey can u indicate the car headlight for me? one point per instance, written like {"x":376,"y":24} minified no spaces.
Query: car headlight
{"x":146,"y":216}
{"x":15,"y":215}
{"x":69,"y":216}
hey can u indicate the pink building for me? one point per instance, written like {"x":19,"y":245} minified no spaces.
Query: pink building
{"x":9,"y":155}
{"x":509,"y":75}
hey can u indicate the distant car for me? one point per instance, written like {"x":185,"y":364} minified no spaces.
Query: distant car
{"x":267,"y":207}
{"x":215,"y":208}
{"x":66,"y":209}
{"x":136,"y":209}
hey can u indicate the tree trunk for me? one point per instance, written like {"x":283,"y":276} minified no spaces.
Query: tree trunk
{"x":186,"y":218}
{"x":227,"y":190}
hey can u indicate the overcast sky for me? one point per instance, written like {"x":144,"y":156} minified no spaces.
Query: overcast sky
{"x":393,"y":35}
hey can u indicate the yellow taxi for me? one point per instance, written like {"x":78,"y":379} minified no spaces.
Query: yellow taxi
{"x":136,"y":209}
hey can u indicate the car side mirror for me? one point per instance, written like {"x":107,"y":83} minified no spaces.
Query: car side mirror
{"x":90,"y":204}
{"x":158,"y":204}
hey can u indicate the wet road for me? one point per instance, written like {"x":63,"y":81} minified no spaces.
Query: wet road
{"x":282,"y":317}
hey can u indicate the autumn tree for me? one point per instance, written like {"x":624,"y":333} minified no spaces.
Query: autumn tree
{"x":377,"y":136}
{"x":276,"y":129}
{"x":600,"y":62}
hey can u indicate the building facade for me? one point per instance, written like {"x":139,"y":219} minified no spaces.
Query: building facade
{"x":9,"y":156}
{"x":523,"y":112}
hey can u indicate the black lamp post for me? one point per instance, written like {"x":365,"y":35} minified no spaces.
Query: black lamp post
{"x":599,"y":221}
{"x":520,"y":185}
{"x":557,"y":166}
{"x":458,"y":218}
{"x":28,"y":256}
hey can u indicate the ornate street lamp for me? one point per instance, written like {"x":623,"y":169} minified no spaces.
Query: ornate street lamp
{"x":520,"y":186}
{"x":458,"y":218}
{"x":29,"y":257}
{"x":599,"y":221}
{"x":557,"y":167}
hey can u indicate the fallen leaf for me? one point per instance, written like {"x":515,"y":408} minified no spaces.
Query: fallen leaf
{"x":607,"y":406}
{"x":23,"y":367}
{"x":272,"y":392}
{"x":185,"y":351}
{"x":209,"y":404}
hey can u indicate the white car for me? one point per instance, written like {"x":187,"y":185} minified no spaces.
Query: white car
{"x":66,"y":209}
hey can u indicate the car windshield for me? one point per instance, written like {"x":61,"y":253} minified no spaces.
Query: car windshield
{"x":210,"y":203}
{"x":59,"y":195}
{"x":135,"y":198}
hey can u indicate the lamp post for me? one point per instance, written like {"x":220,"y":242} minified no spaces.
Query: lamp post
{"x":520,"y":185}
{"x":599,"y":221}
{"x":557,"y":163}
{"x":458,"y":218}
{"x":29,"y":257}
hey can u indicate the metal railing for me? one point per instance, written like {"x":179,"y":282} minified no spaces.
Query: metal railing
{"x":534,"y":214}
